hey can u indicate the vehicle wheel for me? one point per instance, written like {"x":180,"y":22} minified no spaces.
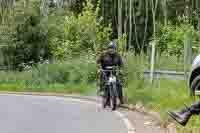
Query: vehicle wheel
{"x":195,"y":85}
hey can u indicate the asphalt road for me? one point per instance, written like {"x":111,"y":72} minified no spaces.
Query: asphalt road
{"x":39,"y":114}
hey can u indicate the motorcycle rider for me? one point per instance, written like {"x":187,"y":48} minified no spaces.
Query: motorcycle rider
{"x":110,"y":57}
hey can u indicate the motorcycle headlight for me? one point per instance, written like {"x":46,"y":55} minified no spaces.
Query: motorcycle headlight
{"x":112,"y":79}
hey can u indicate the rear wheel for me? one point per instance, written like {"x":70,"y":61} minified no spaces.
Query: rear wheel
{"x":113,"y":101}
{"x":105,"y":97}
{"x":113,"y":97}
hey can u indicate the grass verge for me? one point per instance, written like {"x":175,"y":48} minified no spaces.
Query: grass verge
{"x":83,"y":89}
{"x":163,"y":96}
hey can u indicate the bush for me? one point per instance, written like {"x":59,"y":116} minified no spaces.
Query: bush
{"x":56,"y":36}
{"x":73,"y":71}
{"x":170,"y":39}
{"x":34,"y":38}
{"x":73,"y":75}
{"x":28,"y":41}
{"x":82,"y":33}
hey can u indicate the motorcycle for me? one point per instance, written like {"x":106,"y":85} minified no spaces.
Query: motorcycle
{"x":110,"y":96}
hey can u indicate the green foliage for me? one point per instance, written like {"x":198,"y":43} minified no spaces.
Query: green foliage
{"x":75,"y":71}
{"x":121,"y":41}
{"x":29,"y":39}
{"x":63,"y":33}
{"x":56,"y":20}
{"x":170,"y":39}
{"x":81,"y":33}
{"x":74,"y":75}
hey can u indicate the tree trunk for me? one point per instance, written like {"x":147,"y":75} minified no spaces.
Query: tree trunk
{"x":119,"y":18}
{"x":130,"y":23}
{"x":165,"y":11}
{"x":198,"y":10}
{"x":146,"y":23}
{"x":135,"y":29}
{"x":153,"y":51}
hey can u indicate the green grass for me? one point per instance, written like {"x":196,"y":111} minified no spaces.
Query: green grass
{"x":84,"y":89}
{"x":170,"y":63}
{"x":162,"y":62}
{"x":71,"y":76}
{"x":163,"y":96}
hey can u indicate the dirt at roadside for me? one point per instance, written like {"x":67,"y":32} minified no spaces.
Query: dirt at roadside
{"x":146,"y":123}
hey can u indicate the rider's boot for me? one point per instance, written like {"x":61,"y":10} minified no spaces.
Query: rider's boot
{"x":108,"y":102}
{"x":121,"y":100}
{"x":183,"y":116}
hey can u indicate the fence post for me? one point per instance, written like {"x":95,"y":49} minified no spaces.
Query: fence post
{"x":152,"y":61}
{"x":1,"y":57}
{"x":187,"y":53}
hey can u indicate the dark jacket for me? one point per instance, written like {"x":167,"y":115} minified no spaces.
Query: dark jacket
{"x":109,"y":58}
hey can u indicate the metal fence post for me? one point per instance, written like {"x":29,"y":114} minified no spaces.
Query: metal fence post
{"x":153,"y":47}
{"x":187,"y":53}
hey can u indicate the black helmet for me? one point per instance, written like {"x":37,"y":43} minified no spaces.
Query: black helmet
{"x":112,"y":45}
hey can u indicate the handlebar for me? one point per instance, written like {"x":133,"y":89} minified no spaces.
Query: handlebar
{"x":108,"y":70}
{"x":103,"y":70}
{"x":111,"y":67}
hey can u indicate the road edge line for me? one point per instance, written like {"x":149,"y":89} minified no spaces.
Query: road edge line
{"x":77,"y":98}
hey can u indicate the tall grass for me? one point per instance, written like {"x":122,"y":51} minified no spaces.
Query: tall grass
{"x":73,"y":75}
{"x":161,"y":96}
{"x":170,"y":63}
{"x":67,"y":75}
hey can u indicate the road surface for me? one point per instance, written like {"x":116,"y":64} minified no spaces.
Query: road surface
{"x":43,"y":114}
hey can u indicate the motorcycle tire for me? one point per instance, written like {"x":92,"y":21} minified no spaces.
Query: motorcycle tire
{"x":113,"y":103}
{"x":195,"y":85}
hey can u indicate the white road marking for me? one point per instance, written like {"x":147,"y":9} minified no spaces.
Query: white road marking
{"x":126,"y":121}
